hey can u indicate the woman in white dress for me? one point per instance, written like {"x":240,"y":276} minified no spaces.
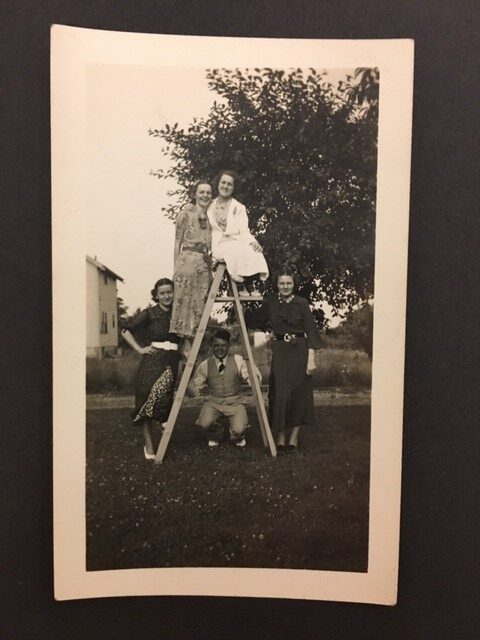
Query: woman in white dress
{"x":232,"y":241}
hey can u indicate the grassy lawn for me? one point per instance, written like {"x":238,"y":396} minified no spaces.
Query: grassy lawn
{"x":226,"y":506}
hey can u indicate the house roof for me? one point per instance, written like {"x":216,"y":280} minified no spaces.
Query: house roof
{"x":103,"y":268}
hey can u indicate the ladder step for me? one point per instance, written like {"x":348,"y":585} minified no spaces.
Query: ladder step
{"x":232,"y":299}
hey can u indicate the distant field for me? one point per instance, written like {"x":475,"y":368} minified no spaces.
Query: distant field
{"x":229,"y":507}
{"x":346,"y":368}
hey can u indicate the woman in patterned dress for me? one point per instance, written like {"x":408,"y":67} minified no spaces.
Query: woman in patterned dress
{"x":149,"y":335}
{"x":232,"y":241}
{"x":192,"y":277}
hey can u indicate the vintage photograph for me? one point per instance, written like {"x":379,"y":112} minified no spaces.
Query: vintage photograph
{"x":269,"y":174}
{"x":229,"y":239}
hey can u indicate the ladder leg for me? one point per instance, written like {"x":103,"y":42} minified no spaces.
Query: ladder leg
{"x":187,"y":372}
{"x":267,"y":436}
{"x":258,"y":398}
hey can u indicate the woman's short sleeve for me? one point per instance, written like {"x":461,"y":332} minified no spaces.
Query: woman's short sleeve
{"x":140,"y":321}
{"x":180,"y":224}
{"x":310,"y":327}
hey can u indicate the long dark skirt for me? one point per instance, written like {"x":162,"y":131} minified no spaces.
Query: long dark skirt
{"x":290,"y":390}
{"x":155,"y":384}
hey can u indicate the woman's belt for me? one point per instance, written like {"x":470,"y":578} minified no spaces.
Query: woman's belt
{"x":166,"y":346}
{"x":195,"y":249}
{"x":288,"y":337}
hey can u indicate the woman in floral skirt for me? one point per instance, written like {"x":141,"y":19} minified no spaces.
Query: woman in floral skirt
{"x":149,"y":334}
{"x":192,"y":276}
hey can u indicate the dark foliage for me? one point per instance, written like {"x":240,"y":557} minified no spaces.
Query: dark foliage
{"x":307,"y":155}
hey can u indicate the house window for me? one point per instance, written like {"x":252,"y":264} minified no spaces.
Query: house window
{"x":103,"y":324}
{"x":113,"y":321}
{"x":105,"y":281}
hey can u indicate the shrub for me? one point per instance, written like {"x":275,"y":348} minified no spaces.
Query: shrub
{"x":342,"y":368}
{"x":112,"y":374}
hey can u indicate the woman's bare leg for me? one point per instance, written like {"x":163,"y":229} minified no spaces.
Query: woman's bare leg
{"x":186,"y":347}
{"x":281,"y":438}
{"x":147,"y":434}
{"x":293,"y":438}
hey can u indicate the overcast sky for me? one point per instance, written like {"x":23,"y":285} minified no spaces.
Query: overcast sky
{"x":126,"y":229}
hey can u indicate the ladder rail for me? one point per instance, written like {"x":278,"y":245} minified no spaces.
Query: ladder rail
{"x":266,"y":432}
{"x":187,"y":373}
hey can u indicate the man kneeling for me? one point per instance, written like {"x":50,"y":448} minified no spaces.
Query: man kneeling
{"x":223,"y":373}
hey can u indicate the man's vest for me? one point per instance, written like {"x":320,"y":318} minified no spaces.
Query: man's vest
{"x":228,"y":383}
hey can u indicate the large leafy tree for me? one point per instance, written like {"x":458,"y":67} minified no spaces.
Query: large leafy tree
{"x":307,"y":152}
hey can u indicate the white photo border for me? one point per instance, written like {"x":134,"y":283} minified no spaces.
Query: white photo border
{"x":72,"y":49}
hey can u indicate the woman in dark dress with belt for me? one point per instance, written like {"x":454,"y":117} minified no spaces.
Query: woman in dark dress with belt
{"x":159,"y":365}
{"x":295,"y":338}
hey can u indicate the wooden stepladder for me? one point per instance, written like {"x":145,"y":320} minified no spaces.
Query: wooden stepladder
{"x":267,"y":437}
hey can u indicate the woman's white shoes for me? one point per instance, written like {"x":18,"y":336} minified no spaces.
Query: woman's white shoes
{"x":148,"y":456}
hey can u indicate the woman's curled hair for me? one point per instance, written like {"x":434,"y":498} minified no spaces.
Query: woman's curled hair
{"x":232,"y":174}
{"x":160,"y":283}
{"x":193,"y":189}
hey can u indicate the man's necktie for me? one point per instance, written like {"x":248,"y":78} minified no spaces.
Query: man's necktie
{"x":221,"y":367}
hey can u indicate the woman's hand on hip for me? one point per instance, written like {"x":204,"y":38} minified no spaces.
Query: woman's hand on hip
{"x":144,"y":350}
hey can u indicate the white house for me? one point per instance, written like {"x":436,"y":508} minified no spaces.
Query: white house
{"x":102,"y":320}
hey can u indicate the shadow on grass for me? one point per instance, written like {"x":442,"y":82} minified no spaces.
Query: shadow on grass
{"x":229,"y":507}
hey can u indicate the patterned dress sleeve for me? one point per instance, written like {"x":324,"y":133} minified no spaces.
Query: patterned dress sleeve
{"x":181,"y":225}
{"x":310,"y":326}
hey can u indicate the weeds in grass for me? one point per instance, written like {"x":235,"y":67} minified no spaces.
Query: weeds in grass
{"x":229,"y":507}
{"x":335,"y":368}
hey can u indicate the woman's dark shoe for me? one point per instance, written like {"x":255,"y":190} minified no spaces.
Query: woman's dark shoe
{"x":291,"y":448}
{"x":280,"y":448}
